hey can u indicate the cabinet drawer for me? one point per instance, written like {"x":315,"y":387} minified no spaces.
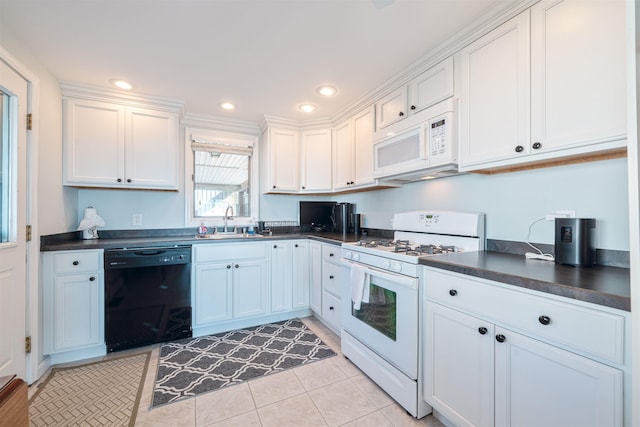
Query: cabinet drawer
{"x":76,"y":262}
{"x":331,"y":309}
{"x":228,"y":251}
{"x":585,"y":329}
{"x":333,"y":276}
{"x":331,"y":253}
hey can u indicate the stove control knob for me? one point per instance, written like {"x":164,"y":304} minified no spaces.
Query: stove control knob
{"x":397,"y":267}
{"x":356,"y":257}
{"x":348,"y":255}
{"x":386,"y":264}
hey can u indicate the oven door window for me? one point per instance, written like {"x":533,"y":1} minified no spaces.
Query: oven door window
{"x":380,"y":312}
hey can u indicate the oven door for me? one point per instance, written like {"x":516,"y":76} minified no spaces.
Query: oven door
{"x":388,"y":323}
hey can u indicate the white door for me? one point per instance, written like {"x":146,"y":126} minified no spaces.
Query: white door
{"x":13,"y":208}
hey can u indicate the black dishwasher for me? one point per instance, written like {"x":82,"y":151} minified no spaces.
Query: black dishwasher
{"x":147,"y":296}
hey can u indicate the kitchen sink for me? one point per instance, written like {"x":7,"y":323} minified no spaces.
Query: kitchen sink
{"x":222,"y":236}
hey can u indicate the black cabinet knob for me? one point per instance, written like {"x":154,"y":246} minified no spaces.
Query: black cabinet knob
{"x":331,"y":254}
{"x":500,"y":338}
{"x":352,"y":183}
{"x":482,"y":330}
{"x":453,"y":292}
{"x":91,"y":279}
{"x":296,"y":245}
{"x":237,"y":266}
{"x":545,"y":320}
{"x":274,"y":186}
{"x":76,"y":262}
{"x":331,"y":307}
{"x":119,"y":180}
{"x":330,"y":277}
{"x":129,"y":180}
{"x":536,"y":145}
{"x":275,"y":246}
{"x":519,"y":149}
{"x":303,"y":187}
{"x":400,"y":114}
{"x":228,"y":266}
{"x":413,"y":107}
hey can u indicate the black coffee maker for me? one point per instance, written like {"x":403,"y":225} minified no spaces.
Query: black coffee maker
{"x":343,"y":214}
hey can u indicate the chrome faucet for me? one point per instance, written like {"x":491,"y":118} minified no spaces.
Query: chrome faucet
{"x":227,"y":217}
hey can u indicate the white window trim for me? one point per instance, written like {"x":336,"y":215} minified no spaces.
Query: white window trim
{"x":200,"y":135}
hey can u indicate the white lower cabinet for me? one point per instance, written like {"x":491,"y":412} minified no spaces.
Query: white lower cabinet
{"x":482,"y":370}
{"x":315,"y":276}
{"x":300,"y":289}
{"x":73,"y":304}
{"x":281,"y":276}
{"x":334,"y":275}
{"x":230,"y":282}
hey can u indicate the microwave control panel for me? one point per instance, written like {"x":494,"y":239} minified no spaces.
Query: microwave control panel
{"x":440,"y":140}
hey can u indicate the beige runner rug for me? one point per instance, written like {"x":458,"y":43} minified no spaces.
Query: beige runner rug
{"x":105,"y":393}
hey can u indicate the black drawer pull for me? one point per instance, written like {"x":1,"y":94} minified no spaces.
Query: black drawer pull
{"x":545,"y":320}
{"x":330,"y":254}
{"x":91,"y":279}
{"x":453,"y":292}
{"x":229,"y":266}
{"x":237,"y":266}
{"x":536,"y":145}
{"x":482,"y":330}
{"x":519,"y":149}
{"x":500,"y":338}
{"x":331,"y":307}
{"x":330,"y":277}
{"x":76,"y":262}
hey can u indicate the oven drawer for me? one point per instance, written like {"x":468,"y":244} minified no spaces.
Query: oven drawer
{"x":77,"y":262}
{"x":597,"y":332}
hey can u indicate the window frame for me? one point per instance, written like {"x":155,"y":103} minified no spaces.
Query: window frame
{"x":254,"y":178}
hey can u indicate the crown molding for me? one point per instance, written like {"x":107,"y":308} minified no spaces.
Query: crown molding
{"x":206,"y":121}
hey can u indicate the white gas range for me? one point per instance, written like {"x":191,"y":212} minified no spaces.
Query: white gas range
{"x":381,"y":307}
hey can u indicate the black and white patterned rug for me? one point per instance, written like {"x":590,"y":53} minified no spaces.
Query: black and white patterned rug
{"x":197,"y":365}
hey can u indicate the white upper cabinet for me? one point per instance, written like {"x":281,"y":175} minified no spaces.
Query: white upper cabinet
{"x":391,"y":108}
{"x":494,"y":94}
{"x":353,"y":152}
{"x":316,"y":162}
{"x":544,"y":85}
{"x":281,"y":168}
{"x":115,"y":145}
{"x":431,"y":87}
{"x":577,"y":69}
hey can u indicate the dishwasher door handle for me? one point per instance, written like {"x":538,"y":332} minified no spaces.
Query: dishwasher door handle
{"x":150,"y":252}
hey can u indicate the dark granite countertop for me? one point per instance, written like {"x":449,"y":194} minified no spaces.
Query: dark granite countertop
{"x":607,"y":286}
{"x":144,"y":240}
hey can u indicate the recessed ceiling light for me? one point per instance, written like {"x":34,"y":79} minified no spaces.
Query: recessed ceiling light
{"x":227,"y":106}
{"x":122,"y":84}
{"x":327,"y":90}
{"x":307,"y":108}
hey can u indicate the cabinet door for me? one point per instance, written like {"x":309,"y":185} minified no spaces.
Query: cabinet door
{"x":431,"y":87}
{"x":577,"y":64}
{"x":151,"y":159}
{"x":316,"y":173}
{"x":78,"y":312}
{"x":391,"y":108}
{"x":315,"y":276}
{"x":494,"y":94}
{"x":212,"y":293}
{"x":343,"y":156}
{"x":283,"y":160}
{"x":250,"y":293}
{"x":281,"y":276}
{"x":301,"y":276}
{"x":541,"y":385}
{"x":458,"y":366}
{"x":363,"y":146}
{"x":93,"y":143}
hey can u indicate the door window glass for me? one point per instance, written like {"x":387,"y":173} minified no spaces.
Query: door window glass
{"x":5,"y":171}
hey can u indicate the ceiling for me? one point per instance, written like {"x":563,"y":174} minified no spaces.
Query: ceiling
{"x":265,"y":56}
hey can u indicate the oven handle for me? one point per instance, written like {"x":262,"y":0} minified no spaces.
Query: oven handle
{"x":405,"y":281}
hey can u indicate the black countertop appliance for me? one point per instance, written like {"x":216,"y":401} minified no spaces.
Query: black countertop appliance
{"x":344,"y":218}
{"x":327,"y":217}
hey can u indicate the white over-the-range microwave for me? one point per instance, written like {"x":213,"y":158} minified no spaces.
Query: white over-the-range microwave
{"x":422,"y":146}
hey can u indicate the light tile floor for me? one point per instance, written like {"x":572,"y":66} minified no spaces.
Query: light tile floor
{"x":331,"y":392}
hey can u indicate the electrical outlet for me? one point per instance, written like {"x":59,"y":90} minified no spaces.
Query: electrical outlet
{"x":136,"y":219}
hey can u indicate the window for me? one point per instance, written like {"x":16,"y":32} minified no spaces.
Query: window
{"x":5,"y":173}
{"x":222,"y":176}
